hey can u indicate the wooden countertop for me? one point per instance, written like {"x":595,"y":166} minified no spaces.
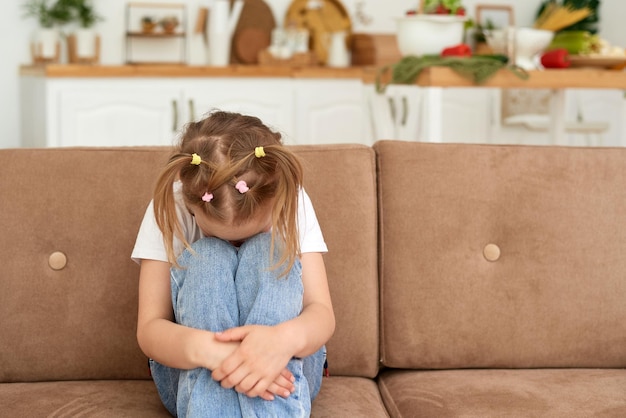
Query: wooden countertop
{"x":430,"y":77}
{"x":86,"y":71}
{"x":541,"y":79}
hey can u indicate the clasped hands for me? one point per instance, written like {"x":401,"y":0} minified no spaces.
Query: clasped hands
{"x":257,"y":367}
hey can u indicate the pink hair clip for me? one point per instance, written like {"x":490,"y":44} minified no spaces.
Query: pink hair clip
{"x":207,"y":197}
{"x":242,"y":186}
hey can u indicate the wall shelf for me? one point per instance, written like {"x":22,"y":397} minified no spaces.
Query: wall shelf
{"x":141,"y":36}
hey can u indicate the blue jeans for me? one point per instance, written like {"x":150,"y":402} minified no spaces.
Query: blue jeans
{"x":221,"y":287}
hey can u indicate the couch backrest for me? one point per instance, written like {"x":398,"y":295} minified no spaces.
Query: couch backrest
{"x":502,"y":256}
{"x":341,"y":180}
{"x":79,"y":322}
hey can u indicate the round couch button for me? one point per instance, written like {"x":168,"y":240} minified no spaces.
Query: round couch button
{"x":57,"y":260}
{"x":491,"y":252}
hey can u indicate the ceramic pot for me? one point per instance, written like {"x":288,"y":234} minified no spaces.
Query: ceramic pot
{"x":45,"y":45}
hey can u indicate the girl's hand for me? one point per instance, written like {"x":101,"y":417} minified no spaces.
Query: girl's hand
{"x":283,"y":386}
{"x":256,"y":366}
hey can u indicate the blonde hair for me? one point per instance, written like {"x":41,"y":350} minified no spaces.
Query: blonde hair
{"x":226,"y":144}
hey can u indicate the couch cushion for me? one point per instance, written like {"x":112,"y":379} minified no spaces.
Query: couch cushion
{"x":114,"y":398}
{"x":564,"y":393}
{"x":78,"y":321}
{"x":549,"y":292}
{"x":352,"y":397}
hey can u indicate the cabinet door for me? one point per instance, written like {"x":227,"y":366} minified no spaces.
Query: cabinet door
{"x":114,"y":113}
{"x":331,"y":111}
{"x":467,"y":114}
{"x":271,"y":100}
{"x":396,"y":112}
{"x":591,"y":105}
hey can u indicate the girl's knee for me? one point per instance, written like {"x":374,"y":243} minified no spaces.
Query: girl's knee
{"x":203,"y":288}
{"x":214,"y":248}
{"x":207,"y":257}
{"x":257,"y":246}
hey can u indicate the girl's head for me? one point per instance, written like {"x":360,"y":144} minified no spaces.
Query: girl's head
{"x":237,"y":180}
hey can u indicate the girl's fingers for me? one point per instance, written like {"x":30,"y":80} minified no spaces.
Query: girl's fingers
{"x":286,"y":373}
{"x":268,"y":396}
{"x":280,"y":390}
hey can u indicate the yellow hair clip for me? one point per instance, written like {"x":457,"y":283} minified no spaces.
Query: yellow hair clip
{"x":195,"y":159}
{"x":259,"y":152}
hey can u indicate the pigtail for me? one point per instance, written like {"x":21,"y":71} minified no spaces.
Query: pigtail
{"x":288,"y":177}
{"x":165,"y":204}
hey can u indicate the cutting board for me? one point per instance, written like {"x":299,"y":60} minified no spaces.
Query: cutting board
{"x":253,"y":32}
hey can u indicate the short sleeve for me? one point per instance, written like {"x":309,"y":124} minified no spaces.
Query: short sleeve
{"x":311,"y":237}
{"x":149,"y":243}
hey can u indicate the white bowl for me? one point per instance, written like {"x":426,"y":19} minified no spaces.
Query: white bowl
{"x":529,"y":42}
{"x":428,"y":34}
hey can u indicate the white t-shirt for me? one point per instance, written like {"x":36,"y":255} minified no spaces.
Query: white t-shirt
{"x":149,"y":244}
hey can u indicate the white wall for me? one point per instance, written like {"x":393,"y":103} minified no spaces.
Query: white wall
{"x":15,"y":31}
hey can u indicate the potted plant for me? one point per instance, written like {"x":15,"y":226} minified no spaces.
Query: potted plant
{"x":83,"y":43}
{"x":169,"y":23}
{"x":45,"y":45}
{"x":148,"y":24}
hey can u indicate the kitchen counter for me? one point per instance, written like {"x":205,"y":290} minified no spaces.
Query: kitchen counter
{"x":543,"y":79}
{"x":367,"y":74}
{"x":434,"y":81}
{"x":435,"y":76}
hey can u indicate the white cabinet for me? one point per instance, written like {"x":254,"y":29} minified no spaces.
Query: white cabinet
{"x":66,"y":112}
{"x":468,"y":114}
{"x":271,"y":100}
{"x":397,"y":113}
{"x":406,"y":112}
{"x":331,"y":111}
{"x":593,"y":106}
{"x":152,"y":111}
{"x":126,"y":113}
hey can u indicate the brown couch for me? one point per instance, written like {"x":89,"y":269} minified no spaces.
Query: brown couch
{"x":467,"y":280}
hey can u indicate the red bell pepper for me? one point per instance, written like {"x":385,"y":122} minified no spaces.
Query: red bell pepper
{"x":556,"y":58}
{"x":460,"y":50}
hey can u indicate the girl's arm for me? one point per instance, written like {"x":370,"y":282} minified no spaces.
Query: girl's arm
{"x":264,"y":351}
{"x":316,"y":324}
{"x":159,"y":337}
{"x":177,"y":346}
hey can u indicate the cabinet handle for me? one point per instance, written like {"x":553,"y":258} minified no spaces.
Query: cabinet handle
{"x":175,"y":113}
{"x":405,"y":110}
{"x":392,"y":108}
{"x":192,"y":111}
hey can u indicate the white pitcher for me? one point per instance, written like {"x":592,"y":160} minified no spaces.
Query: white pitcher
{"x":222,"y":23}
{"x":338,"y":54}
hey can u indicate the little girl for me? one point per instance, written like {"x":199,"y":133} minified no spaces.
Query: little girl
{"x":234,"y":307}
